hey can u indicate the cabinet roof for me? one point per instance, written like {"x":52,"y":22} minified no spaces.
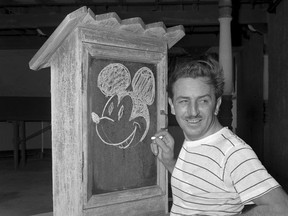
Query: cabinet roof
{"x":84,"y":16}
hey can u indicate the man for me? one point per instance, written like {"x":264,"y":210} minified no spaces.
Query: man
{"x":216,"y":173}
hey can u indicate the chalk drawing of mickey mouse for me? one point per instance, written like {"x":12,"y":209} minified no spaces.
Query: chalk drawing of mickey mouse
{"x":126,"y":111}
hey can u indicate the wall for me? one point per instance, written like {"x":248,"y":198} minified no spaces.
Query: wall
{"x":17,"y":80}
{"x":278,"y":89}
{"x":250,"y":123}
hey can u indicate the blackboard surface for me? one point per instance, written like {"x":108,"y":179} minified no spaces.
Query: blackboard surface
{"x":122,"y":114}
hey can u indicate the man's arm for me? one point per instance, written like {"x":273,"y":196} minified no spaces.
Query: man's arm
{"x":273,"y":203}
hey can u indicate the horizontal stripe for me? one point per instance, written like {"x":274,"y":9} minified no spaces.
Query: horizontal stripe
{"x":202,"y":179}
{"x":245,"y":161}
{"x":208,"y":197}
{"x":247,"y":175}
{"x":180,"y":180}
{"x":235,"y":159}
{"x":253,"y":186}
{"x":261,"y":194}
{"x":235,"y":152}
{"x":180,"y":210}
{"x":202,"y":155}
{"x":216,"y":204}
{"x":204,"y":168}
{"x":211,"y":146}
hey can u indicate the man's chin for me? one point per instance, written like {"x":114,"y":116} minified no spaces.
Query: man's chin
{"x":192,"y":135}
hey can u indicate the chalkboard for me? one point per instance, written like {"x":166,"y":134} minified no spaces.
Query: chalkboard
{"x":122,"y":116}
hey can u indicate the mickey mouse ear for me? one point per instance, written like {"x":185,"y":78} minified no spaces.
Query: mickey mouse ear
{"x":143,"y":85}
{"x":114,"y":78}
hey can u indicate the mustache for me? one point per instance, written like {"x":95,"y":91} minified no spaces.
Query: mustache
{"x":191,"y":117}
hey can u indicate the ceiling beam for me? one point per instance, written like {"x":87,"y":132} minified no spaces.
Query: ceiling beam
{"x":201,"y":17}
{"x":64,"y":3}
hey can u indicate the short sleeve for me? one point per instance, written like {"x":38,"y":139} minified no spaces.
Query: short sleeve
{"x":250,"y":178}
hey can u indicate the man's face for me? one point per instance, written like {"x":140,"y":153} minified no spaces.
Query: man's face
{"x":194,"y":105}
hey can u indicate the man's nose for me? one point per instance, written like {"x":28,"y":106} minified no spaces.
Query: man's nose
{"x":193,"y":108}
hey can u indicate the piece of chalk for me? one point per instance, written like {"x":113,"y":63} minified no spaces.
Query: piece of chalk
{"x":153,"y":137}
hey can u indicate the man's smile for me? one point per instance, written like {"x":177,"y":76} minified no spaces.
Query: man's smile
{"x":192,"y":120}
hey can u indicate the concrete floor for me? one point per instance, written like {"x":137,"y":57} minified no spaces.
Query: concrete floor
{"x":26,"y":191}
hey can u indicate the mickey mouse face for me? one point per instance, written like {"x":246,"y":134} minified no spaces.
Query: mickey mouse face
{"x":125,"y":118}
{"x":115,"y":118}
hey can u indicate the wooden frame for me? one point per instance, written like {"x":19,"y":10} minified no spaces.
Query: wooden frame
{"x":80,"y":37}
{"x":157,"y":194}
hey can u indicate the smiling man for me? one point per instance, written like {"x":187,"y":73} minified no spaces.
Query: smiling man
{"x":216,"y":173}
{"x":194,"y":106}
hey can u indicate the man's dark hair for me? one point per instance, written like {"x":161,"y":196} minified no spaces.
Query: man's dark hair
{"x":205,"y":66}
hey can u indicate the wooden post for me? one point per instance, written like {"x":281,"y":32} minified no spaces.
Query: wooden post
{"x":23,"y":143}
{"x":225,"y":59}
{"x":16,"y":143}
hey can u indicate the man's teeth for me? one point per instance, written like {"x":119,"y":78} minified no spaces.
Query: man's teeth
{"x":193,"y":120}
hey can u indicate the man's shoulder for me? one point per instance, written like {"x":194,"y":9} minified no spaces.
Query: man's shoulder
{"x":228,"y":140}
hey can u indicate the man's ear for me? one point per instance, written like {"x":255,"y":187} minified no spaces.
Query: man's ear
{"x":171,"y":106}
{"x":218,"y":104}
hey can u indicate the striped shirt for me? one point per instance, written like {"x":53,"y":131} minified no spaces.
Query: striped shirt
{"x":217,"y":176}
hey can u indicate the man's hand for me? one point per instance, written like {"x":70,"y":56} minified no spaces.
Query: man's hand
{"x":162,"y":147}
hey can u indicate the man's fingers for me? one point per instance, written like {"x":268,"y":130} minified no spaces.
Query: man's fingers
{"x":165,"y":137}
{"x":154,"y":148}
{"x":162,"y":144}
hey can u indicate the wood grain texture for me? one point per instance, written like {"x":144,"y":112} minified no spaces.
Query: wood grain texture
{"x":42,"y":58}
{"x":145,"y":195}
{"x":80,"y":39}
{"x":66,"y":129}
{"x":110,"y":21}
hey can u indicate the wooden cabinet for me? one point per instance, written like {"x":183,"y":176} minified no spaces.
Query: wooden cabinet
{"x":108,"y":97}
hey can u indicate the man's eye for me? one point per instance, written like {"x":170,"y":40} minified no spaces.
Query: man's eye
{"x":183,"y":101}
{"x":204,"y":101}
